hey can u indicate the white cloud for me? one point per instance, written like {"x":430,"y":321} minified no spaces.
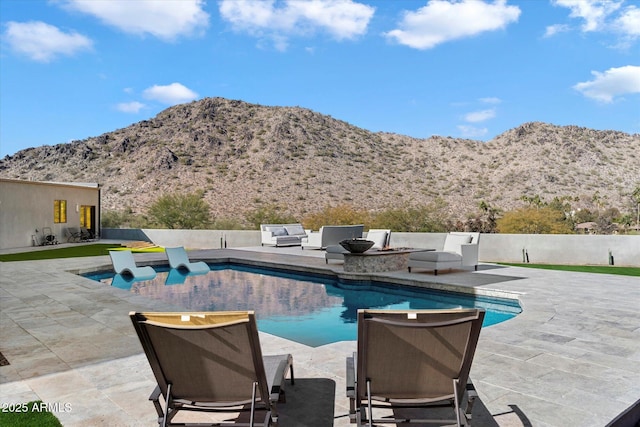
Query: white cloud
{"x":441,"y":21}
{"x":491,"y":100}
{"x":130,"y":107}
{"x":173,"y":93}
{"x":629,"y":22}
{"x":165,"y":19}
{"x":594,"y":12}
{"x":43,"y":42}
{"x":552,"y":30}
{"x":480,"y":116}
{"x":472,"y":131}
{"x":343,"y":19}
{"x":613,"y":82}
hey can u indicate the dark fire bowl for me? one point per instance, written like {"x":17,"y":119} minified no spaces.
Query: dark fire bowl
{"x":356,"y":246}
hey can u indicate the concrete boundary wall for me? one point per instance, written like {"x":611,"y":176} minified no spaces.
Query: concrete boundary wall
{"x":540,"y":248}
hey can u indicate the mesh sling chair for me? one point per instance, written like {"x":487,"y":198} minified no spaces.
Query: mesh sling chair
{"x":413,"y":362}
{"x":211,"y":362}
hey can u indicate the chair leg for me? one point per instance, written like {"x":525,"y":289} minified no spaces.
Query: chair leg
{"x":291,"y":373}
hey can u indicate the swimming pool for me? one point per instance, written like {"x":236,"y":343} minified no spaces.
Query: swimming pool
{"x":310,"y":309}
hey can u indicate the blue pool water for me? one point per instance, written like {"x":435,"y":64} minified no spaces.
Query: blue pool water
{"x":310,"y":309}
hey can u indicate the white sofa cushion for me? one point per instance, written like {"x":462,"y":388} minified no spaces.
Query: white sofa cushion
{"x":434,"y":256}
{"x":379,"y":238}
{"x":277,"y":230}
{"x":294,"y":230}
{"x":453,"y":242}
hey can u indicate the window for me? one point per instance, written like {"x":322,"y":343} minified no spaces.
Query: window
{"x":85,"y":216}
{"x":59,"y":211}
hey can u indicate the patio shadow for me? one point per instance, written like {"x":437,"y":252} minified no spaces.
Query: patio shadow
{"x":310,"y":403}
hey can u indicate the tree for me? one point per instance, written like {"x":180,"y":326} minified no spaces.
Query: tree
{"x":413,"y":219}
{"x":269,"y":214}
{"x":533,"y":201}
{"x":122,"y":219}
{"x":336,"y":215}
{"x":181,"y":211}
{"x":606,"y":220}
{"x":485,"y":222}
{"x":543,"y":220}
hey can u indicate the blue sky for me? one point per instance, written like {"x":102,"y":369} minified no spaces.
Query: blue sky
{"x":72,"y":69}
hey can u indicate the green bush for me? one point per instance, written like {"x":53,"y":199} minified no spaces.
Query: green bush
{"x":343,"y":214}
{"x":269,"y":214}
{"x":429,"y":218}
{"x":181,"y":211}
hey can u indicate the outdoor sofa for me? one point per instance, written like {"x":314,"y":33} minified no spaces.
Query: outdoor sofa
{"x":282,"y":234}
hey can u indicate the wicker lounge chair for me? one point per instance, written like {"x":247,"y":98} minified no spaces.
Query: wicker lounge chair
{"x":179,"y":259}
{"x":124,"y":263}
{"x":416,"y":360}
{"x":211,"y":362}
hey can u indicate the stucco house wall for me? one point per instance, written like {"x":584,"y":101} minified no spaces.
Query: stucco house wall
{"x":27,"y":206}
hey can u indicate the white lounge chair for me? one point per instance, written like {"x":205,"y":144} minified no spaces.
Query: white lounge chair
{"x":459,"y":250}
{"x":124,"y":263}
{"x":179,"y":259}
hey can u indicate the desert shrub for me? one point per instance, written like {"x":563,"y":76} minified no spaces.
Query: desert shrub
{"x":531,"y":220}
{"x":343,"y":214}
{"x":427,"y":218}
{"x":122,"y":219}
{"x":269,"y":214}
{"x":227,"y":224}
{"x":181,"y":211}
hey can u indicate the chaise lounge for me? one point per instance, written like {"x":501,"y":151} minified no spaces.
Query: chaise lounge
{"x":459,"y":250}
{"x":411,"y":365}
{"x":211,"y":362}
{"x":178,"y":259}
{"x":125,"y":264}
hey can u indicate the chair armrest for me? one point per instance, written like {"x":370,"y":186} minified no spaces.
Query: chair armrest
{"x":469,"y":254}
{"x":312,"y":240}
{"x":267,"y":236}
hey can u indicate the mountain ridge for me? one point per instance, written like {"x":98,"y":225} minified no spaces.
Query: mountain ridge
{"x":246,"y":155}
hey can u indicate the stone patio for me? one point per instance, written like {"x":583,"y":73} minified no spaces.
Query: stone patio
{"x":572,"y":357}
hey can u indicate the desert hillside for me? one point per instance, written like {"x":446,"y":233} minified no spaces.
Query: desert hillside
{"x":245,"y":155}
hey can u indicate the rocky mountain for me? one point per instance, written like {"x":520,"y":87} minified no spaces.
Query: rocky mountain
{"x":245,"y":155}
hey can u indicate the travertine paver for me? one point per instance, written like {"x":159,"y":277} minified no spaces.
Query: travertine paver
{"x":571,"y":358}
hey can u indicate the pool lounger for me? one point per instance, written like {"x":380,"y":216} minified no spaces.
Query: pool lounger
{"x":178,"y":258}
{"x":124,"y":263}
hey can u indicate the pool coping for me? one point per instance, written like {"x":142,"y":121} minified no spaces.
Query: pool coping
{"x":570,"y":357}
